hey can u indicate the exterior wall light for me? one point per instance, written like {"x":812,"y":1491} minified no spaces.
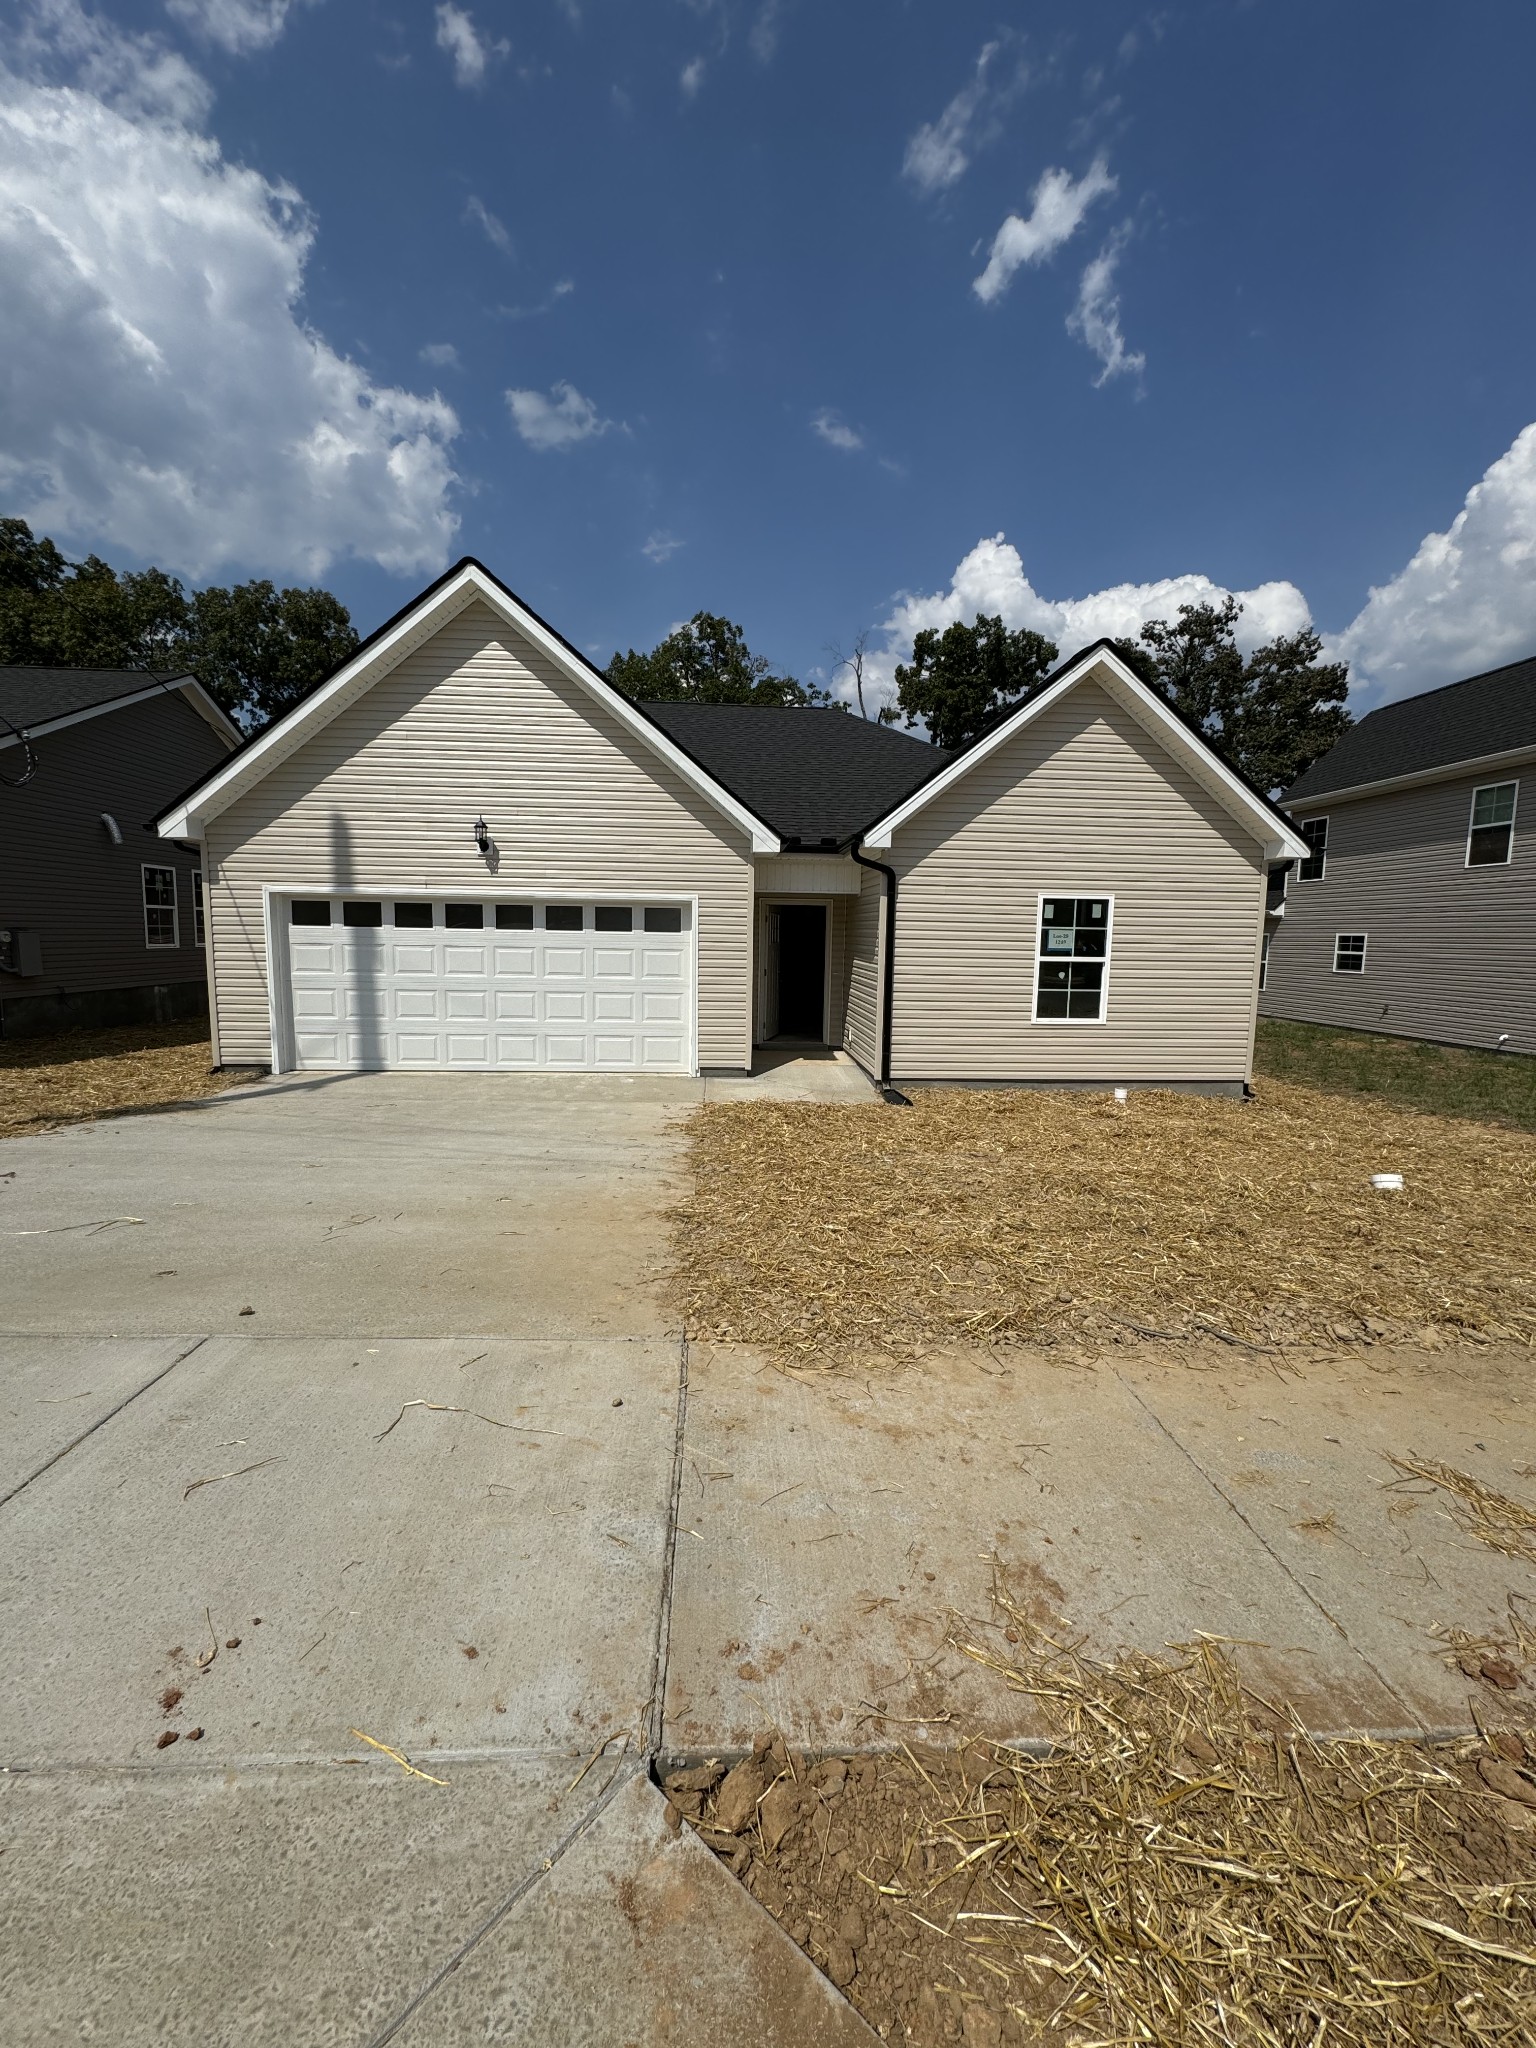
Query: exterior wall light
{"x":482,"y":834}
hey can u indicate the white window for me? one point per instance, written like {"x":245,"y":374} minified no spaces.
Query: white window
{"x":160,"y":925}
{"x":1349,"y":953}
{"x":1072,"y":959}
{"x":1264,"y":961}
{"x":198,"y":937}
{"x":1491,"y":828}
{"x":1315,"y":833}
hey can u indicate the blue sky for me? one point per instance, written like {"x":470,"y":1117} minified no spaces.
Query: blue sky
{"x":790,"y":310}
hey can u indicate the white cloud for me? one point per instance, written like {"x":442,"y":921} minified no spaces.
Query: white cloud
{"x":163,"y":392}
{"x":661,"y":547}
{"x":239,"y":26}
{"x":494,"y":230}
{"x":1095,"y":319}
{"x":835,"y":431}
{"x":940,"y":152}
{"x":1055,"y":216}
{"x":764,"y":37}
{"x":692,"y":78}
{"x":1466,"y":601}
{"x":991,"y":580}
{"x":442,"y":355}
{"x":557,"y":421}
{"x":459,"y":39}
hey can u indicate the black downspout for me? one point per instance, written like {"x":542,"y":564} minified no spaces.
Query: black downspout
{"x":888,"y":977}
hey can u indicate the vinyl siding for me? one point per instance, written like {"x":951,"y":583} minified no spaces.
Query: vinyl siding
{"x":476,"y":721}
{"x":60,"y":872}
{"x":861,"y":1028}
{"x":1451,"y":950}
{"x":838,"y":919}
{"x":1084,"y":801}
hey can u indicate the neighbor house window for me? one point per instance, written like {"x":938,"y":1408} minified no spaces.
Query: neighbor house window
{"x":1072,"y":958}
{"x":1491,"y":832}
{"x":1349,"y":953}
{"x":160,"y":907}
{"x":1315,"y":833}
{"x":198,"y":938}
{"x":1264,"y":961}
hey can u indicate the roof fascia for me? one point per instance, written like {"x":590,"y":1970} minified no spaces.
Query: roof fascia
{"x":408,"y":631}
{"x":189,"y":686}
{"x":1277,"y":837}
{"x":1448,"y":771}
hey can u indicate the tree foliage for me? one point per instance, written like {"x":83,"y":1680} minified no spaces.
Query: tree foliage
{"x":1270,"y":714}
{"x":255,"y":649}
{"x":707,"y":661}
{"x":967,"y":679}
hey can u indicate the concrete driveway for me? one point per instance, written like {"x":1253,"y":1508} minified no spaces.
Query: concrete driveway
{"x":455,"y":1487}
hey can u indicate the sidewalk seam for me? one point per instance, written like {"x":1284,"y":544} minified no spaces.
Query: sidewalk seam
{"x":74,"y":1443}
{"x":661,"y":1655}
{"x":1258,"y":1536}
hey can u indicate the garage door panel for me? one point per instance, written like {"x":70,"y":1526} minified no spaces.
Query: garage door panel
{"x":368,"y":996}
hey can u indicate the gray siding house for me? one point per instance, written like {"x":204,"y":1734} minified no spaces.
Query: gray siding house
{"x":466,"y":849}
{"x":100,"y":919}
{"x":1414,"y":909}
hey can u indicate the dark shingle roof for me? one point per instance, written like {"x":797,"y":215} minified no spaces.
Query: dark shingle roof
{"x":33,"y":696}
{"x":1487,"y":714}
{"x":817,"y":777}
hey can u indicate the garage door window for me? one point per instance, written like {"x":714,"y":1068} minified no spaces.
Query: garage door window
{"x":307,"y":910}
{"x":514,"y":917}
{"x":562,"y":917}
{"x":613,"y":917}
{"x":661,"y":918}
{"x":463,"y":917}
{"x":362,"y":913}
{"x":1072,"y":959}
{"x":413,"y":916}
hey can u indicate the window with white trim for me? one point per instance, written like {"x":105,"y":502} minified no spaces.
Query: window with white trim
{"x":1072,"y":959}
{"x":160,"y":924}
{"x":1315,"y":833}
{"x":1349,"y":953}
{"x":1491,"y":827}
{"x":198,"y":936}
{"x":1264,"y":961}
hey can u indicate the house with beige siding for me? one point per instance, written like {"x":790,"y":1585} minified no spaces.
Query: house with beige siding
{"x":466,"y":849}
{"x":1413,"y":910}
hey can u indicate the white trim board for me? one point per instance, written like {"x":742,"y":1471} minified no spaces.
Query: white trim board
{"x":188,"y":686}
{"x":1449,"y":771}
{"x":463,"y":586}
{"x":1149,"y":710}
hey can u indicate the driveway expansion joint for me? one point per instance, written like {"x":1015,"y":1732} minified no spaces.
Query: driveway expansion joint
{"x":1419,"y":1732}
{"x":101,"y":1421}
{"x":656,"y":1707}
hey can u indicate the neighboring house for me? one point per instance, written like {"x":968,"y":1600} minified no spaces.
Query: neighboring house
{"x":100,"y":919}
{"x":1414,"y":909}
{"x":467,"y":849}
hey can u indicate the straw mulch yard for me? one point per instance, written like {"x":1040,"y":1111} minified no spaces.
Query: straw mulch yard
{"x":1185,"y":1866}
{"x":85,"y":1074}
{"x":831,"y":1234}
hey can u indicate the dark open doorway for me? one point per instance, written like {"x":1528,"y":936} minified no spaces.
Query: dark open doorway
{"x":799,"y":947}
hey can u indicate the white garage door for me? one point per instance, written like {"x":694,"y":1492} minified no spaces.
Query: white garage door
{"x":385,"y":982}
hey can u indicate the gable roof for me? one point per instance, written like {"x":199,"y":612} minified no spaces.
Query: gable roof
{"x":467,"y":581}
{"x":35,"y":701}
{"x":1466,"y":722}
{"x":1152,"y":711}
{"x":817,"y":776}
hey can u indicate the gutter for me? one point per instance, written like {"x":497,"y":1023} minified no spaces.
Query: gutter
{"x":888,"y":1094}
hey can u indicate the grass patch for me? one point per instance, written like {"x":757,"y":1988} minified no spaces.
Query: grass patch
{"x":1451,"y":1080}
{"x":80,"y":1075}
{"x":829,"y":1234}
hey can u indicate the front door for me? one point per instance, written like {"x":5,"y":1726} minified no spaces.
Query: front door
{"x":797,"y":956}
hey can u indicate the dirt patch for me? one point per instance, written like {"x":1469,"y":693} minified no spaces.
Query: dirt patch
{"x":1184,"y":1865}
{"x":45,"y":1082}
{"x":829,"y":1234}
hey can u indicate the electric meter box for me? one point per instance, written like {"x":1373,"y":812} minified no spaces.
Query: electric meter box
{"x":21,"y":949}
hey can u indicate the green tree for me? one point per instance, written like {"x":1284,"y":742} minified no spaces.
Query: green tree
{"x":1270,"y":714}
{"x":254,"y":648}
{"x":707,"y":661}
{"x":965,"y":680}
